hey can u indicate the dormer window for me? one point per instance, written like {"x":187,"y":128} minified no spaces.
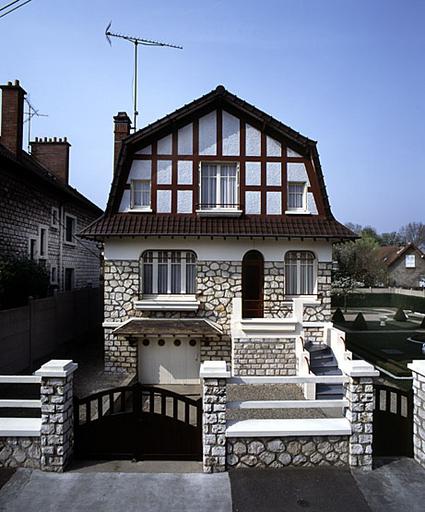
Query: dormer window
{"x":140,"y":194}
{"x":219,"y":189}
{"x":297,"y":196}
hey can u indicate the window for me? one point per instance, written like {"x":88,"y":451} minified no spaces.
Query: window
{"x":69,"y":279}
{"x":299,"y":273}
{"x":296,"y":196}
{"x":42,"y":242}
{"x":168,"y":272}
{"x":410,"y":261}
{"x":140,"y":194}
{"x":219,"y":186}
{"x":54,"y":275}
{"x":32,"y":248}
{"x":70,"y":228}
{"x":54,"y":217}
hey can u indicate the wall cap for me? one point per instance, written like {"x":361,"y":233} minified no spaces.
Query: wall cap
{"x":359,"y":368}
{"x":214,"y":370}
{"x":57,"y":368}
{"x":417,"y":366}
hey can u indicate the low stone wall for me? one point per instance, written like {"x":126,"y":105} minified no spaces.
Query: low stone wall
{"x":277,"y":452}
{"x":214,"y":399}
{"x":20,"y":452}
{"x":313,"y":334}
{"x":264,"y":356}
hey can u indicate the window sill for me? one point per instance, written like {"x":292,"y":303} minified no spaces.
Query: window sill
{"x":297,"y":212}
{"x":307,"y":299}
{"x":70,"y":244}
{"x":167,"y":303}
{"x":220,"y":212}
{"x":138,"y":210}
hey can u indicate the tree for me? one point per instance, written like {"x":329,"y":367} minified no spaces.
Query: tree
{"x":343,"y":286}
{"x":413,"y":232}
{"x":356,"y":228}
{"x":370,"y":232}
{"x":391,"y":238}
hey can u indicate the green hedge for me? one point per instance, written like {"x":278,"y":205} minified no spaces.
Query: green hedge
{"x":379,"y":300}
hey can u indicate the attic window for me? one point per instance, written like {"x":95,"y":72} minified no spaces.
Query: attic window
{"x":140,"y":194}
{"x":410,"y":261}
{"x":297,"y":196}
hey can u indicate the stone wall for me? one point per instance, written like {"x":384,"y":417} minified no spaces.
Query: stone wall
{"x":278,"y":452}
{"x":399,"y":275}
{"x":313,"y":334}
{"x":418,"y":373}
{"x":20,"y":452}
{"x":321,"y":312}
{"x":214,"y":399}
{"x":119,"y":355}
{"x":275,"y":305}
{"x":264,"y":356}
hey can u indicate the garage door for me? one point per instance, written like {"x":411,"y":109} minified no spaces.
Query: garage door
{"x":169,"y":361}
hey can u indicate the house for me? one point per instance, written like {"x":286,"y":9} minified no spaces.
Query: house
{"x":40,"y":213}
{"x":405,"y":265}
{"x":218,"y":241}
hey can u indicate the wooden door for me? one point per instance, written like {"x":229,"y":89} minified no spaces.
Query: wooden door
{"x":253,"y":285}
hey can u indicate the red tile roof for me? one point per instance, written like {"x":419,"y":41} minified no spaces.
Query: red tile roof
{"x":389,"y":254}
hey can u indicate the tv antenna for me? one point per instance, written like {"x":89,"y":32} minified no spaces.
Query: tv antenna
{"x":30,"y":113}
{"x":136,"y":41}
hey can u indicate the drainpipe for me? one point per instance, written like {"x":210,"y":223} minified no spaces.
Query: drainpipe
{"x":60,"y":274}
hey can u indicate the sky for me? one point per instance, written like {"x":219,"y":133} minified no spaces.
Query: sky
{"x":347,"y":73}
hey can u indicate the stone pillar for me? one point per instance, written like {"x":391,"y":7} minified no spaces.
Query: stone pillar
{"x":214,"y":397}
{"x":359,"y":393}
{"x":57,"y":414}
{"x":418,"y":374}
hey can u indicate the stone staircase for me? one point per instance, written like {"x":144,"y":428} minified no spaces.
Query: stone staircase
{"x":323,"y":362}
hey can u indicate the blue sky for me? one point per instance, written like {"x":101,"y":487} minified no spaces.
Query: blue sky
{"x":347,"y":73}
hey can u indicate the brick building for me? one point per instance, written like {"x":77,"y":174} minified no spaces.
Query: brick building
{"x":40,"y":213}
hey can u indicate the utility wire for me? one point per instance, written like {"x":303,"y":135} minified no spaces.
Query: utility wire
{"x":14,"y":9}
{"x":8,"y":5}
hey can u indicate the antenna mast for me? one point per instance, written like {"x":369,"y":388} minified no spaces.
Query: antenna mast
{"x":136,"y":41}
{"x":30,"y":113}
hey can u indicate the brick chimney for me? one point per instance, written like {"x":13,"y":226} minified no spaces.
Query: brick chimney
{"x":122,"y":125}
{"x":12,"y":116}
{"x":53,"y":154}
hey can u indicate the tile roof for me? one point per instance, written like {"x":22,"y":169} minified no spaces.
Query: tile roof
{"x":168,"y":327}
{"x":389,"y":254}
{"x":142,"y":224}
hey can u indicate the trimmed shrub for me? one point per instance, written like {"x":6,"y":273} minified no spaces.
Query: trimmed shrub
{"x":359,"y":323}
{"x":400,"y":316}
{"x":338,"y":317}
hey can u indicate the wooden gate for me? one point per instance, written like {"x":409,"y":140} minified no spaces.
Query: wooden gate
{"x":138,"y":422}
{"x":392,"y":422}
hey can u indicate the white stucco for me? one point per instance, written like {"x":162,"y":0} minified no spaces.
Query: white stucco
{"x":252,"y":203}
{"x":274,"y":173}
{"x":164,"y":172}
{"x":208,"y":134}
{"x":274,"y":203}
{"x":274,"y":147}
{"x":253,"y":173}
{"x":163,"y":201}
{"x":297,"y":172}
{"x":218,"y":250}
{"x":145,"y":151}
{"x":184,"y":201}
{"x":164,"y":146}
{"x":184,"y":172}
{"x":292,"y":153}
{"x":311,"y":203}
{"x":125,"y":201}
{"x":231,"y":135}
{"x":252,"y":141}
{"x":140,"y":170}
{"x":185,"y":140}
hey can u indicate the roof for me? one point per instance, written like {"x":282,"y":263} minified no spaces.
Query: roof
{"x":139,"y":224}
{"x":389,"y":254}
{"x":45,"y":177}
{"x":168,"y":327}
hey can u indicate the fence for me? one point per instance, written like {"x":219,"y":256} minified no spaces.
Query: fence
{"x":399,"y":291}
{"x":32,"y":332}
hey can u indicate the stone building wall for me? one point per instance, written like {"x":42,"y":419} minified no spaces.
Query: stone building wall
{"x":418,"y":374}
{"x":313,"y":334}
{"x":20,"y":452}
{"x":278,"y":452}
{"x":264,"y":356}
{"x":214,"y":399}
{"x":399,"y":275}
{"x":321,"y":312}
{"x":275,"y":305}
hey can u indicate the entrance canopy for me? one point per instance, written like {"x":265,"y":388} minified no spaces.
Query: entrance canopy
{"x":168,"y":327}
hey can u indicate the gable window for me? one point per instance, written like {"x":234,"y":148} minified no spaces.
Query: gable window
{"x":168,"y":272}
{"x":299,"y":273}
{"x":70,"y":228}
{"x":297,"y":196}
{"x":219,"y":186}
{"x":54,"y":217}
{"x":42,"y":242}
{"x":410,"y":261}
{"x":140,"y":194}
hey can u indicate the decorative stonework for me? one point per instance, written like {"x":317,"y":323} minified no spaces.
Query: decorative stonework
{"x":264,"y":356}
{"x":20,"y":452}
{"x":120,"y":356}
{"x":359,"y":393}
{"x":214,"y":425}
{"x":321,"y":312}
{"x":418,"y":374}
{"x":313,"y":334}
{"x":278,"y":452}
{"x":274,"y":291}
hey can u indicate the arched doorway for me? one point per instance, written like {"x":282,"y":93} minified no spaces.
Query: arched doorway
{"x":252,"y":285}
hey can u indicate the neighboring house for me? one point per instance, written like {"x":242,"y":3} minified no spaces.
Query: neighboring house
{"x":218,"y":243}
{"x":40,"y":213}
{"x":405,"y":265}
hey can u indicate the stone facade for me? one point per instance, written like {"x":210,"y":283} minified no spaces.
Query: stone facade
{"x":359,"y":393}
{"x":313,"y":334}
{"x":278,"y":452}
{"x":275,"y":305}
{"x":418,"y":373}
{"x":214,"y":425}
{"x":399,"y":275}
{"x":320,"y":312}
{"x":264,"y":356}
{"x":20,"y":452}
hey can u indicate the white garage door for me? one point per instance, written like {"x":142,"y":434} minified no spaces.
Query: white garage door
{"x":169,"y":361}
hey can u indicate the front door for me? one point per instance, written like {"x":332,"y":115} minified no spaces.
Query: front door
{"x":252,"y":285}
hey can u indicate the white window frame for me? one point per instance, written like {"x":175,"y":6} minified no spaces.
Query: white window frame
{"x":220,"y":210}
{"x":410,"y":261}
{"x":54,"y":213}
{"x":73,"y":243}
{"x":144,"y":208}
{"x":43,"y":251}
{"x":303,"y":209}
{"x":298,"y":261}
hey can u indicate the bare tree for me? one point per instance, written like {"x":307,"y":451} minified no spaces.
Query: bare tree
{"x":414,"y":233}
